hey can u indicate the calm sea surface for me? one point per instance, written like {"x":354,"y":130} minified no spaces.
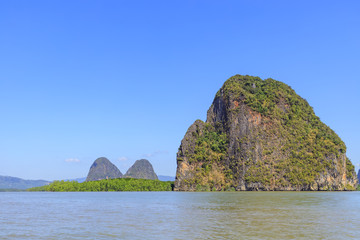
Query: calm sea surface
{"x":174,"y":215}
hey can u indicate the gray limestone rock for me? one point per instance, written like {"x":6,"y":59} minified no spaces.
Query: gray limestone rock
{"x":141,"y":169}
{"x":102,"y":168}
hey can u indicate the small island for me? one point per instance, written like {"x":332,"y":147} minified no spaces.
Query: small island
{"x":104,"y":176}
{"x":261,"y":136}
{"x":107,"y":185}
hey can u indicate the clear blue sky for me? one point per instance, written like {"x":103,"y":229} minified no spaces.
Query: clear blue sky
{"x":125,"y":79}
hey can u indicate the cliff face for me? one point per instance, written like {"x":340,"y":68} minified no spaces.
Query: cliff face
{"x":102,"y":168}
{"x":260,"y":135}
{"x":141,"y":169}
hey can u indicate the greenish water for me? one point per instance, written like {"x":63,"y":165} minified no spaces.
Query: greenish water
{"x":177,"y":215}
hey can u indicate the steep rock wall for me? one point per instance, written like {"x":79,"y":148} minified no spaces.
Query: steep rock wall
{"x":260,"y":135}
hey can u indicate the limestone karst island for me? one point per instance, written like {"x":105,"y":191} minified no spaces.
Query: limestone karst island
{"x":104,"y":176}
{"x":260,"y":135}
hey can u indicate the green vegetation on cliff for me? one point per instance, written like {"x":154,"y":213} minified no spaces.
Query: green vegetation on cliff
{"x":106,"y":185}
{"x":211,"y":146}
{"x":308,"y":141}
{"x":279,"y":102}
{"x":260,"y":134}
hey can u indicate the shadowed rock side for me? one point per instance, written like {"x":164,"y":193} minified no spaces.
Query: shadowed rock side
{"x":260,"y":135}
{"x":102,"y":168}
{"x":141,"y":169}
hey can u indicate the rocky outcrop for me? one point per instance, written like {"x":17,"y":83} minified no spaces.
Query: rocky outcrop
{"x":260,"y":135}
{"x":102,"y":168}
{"x":141,"y":169}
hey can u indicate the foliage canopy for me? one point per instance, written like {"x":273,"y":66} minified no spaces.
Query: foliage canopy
{"x":107,"y":185}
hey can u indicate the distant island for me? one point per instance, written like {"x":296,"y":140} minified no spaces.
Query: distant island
{"x":141,"y":169}
{"x":140,"y":177}
{"x":105,"y":176}
{"x":8,"y":183}
{"x":166,"y":178}
{"x":102,"y":168}
{"x":260,"y":135}
{"x":107,"y":185}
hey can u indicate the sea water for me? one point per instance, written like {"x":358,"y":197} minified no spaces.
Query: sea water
{"x":180,"y":215}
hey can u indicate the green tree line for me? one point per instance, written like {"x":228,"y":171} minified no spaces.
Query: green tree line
{"x":107,"y":185}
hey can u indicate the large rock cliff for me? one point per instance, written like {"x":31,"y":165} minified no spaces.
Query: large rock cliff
{"x":260,"y":135}
{"x":141,"y":169}
{"x":102,"y":168}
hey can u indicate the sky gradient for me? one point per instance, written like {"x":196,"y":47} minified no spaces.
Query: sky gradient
{"x":125,"y":79}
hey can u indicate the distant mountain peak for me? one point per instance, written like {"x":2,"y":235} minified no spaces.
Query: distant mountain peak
{"x":102,"y":168}
{"x":7,"y":182}
{"x":141,"y":169}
